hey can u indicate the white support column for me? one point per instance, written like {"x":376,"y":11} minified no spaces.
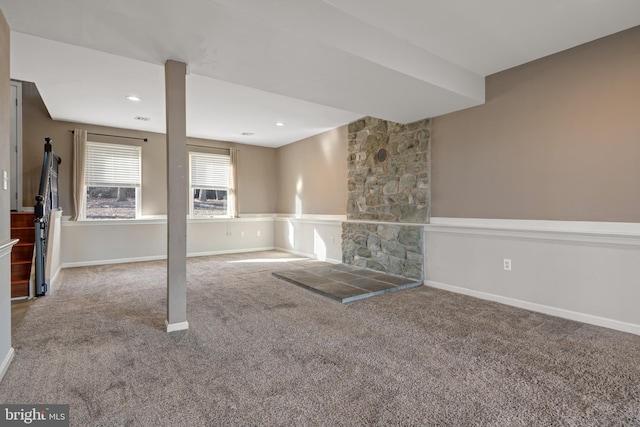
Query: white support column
{"x":175,"y":89}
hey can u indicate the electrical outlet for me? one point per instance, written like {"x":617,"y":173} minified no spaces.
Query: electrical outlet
{"x":242,"y":234}
{"x":258,"y":234}
{"x":506,"y":263}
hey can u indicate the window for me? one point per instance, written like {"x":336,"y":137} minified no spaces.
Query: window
{"x":112,"y":179}
{"x":209,"y":184}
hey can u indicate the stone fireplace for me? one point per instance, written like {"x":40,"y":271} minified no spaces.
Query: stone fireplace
{"x":388,"y":196}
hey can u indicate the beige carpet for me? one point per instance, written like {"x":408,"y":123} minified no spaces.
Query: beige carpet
{"x":261,"y":351}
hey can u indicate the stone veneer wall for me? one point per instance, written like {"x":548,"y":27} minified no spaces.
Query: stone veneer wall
{"x":395,"y":190}
{"x":394,"y":249}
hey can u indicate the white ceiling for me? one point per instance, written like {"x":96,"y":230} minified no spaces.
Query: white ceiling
{"x":311,"y":64}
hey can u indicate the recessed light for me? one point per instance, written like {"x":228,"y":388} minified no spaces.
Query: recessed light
{"x":133,"y":98}
{"x":279,"y":124}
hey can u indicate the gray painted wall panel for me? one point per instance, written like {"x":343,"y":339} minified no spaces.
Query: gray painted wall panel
{"x":5,"y":231}
{"x":594,"y":279}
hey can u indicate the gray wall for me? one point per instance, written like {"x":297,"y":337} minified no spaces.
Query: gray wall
{"x":5,"y":120}
{"x":558,"y":139}
{"x":5,"y":231}
{"x":312,"y":175}
{"x":581,"y":276}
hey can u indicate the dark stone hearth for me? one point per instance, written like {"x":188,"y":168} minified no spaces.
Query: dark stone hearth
{"x":346,"y":283}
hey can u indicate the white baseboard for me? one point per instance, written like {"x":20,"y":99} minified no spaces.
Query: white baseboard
{"x":54,"y":280}
{"x":314,"y":218}
{"x":159,"y":257}
{"x":545,"y":309}
{"x":6,"y":362}
{"x":306,"y":255}
{"x":232,"y":251}
{"x":112,"y":261}
{"x":173,"y":327}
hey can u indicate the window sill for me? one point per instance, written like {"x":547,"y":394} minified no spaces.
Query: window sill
{"x":208,"y":218}
{"x":160,"y":219}
{"x":156,"y":219}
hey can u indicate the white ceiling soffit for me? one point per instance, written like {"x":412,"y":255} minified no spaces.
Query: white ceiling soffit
{"x":376,"y":74}
{"x":334,"y":59}
{"x":303,"y":49}
{"x":493,"y":35}
{"x":88,"y":86}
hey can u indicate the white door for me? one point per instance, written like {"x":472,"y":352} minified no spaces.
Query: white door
{"x":15,"y":166}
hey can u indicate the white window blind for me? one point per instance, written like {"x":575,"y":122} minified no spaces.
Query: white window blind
{"x":112,"y":165}
{"x":209,"y":171}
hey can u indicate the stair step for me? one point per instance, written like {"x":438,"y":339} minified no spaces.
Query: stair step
{"x":20,"y":271}
{"x":24,"y":234}
{"x":22,"y":219}
{"x":22,"y":228}
{"x":19,"y":288}
{"x":22,"y":252}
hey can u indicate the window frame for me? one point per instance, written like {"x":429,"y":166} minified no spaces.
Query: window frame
{"x":137,"y":186}
{"x":192,"y":188}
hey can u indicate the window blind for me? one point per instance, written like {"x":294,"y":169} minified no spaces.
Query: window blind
{"x":209,"y":171}
{"x":112,"y":165}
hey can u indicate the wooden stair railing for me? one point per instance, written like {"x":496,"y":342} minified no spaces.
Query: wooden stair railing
{"x":46,"y":201}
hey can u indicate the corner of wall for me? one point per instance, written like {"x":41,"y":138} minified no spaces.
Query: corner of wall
{"x":6,"y":351}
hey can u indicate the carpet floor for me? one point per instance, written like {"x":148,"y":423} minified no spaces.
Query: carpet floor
{"x":261,"y":351}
